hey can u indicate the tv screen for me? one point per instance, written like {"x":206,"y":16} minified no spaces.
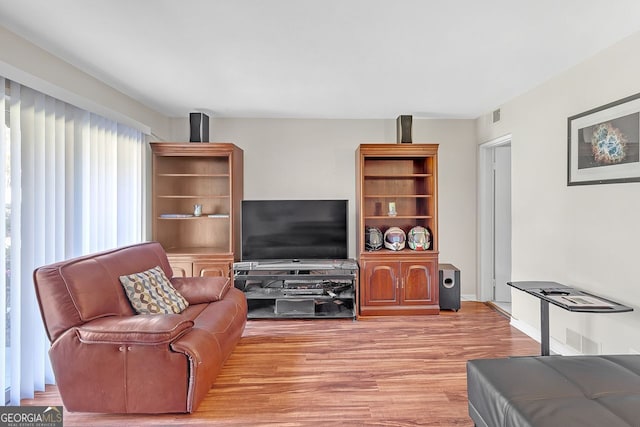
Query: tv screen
{"x":294,"y":229}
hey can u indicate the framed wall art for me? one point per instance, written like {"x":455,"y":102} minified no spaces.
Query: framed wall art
{"x":604,"y":144}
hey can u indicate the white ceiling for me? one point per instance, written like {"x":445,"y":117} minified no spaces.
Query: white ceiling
{"x":323,"y":58}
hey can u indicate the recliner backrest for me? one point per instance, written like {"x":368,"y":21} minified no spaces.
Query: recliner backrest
{"x":81,"y":289}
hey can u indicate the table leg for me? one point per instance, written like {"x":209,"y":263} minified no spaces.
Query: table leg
{"x":544,"y":327}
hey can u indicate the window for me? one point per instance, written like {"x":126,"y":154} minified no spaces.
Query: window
{"x":74,"y":183}
{"x":5,"y":305}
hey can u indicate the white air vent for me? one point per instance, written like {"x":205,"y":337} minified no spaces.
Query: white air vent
{"x":581,"y":343}
{"x":590,"y":346}
{"x":573,"y":339}
{"x":496,"y":115}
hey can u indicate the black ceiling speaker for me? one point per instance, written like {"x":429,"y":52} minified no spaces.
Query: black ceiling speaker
{"x":403,"y":127}
{"x":199,"y":127}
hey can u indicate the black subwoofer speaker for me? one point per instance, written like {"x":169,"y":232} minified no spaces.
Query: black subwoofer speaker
{"x":199,"y":127}
{"x":449,"y":287}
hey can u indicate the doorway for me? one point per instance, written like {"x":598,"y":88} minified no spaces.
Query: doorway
{"x":495,"y":222}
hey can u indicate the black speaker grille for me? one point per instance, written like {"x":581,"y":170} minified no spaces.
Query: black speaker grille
{"x":199,"y":123}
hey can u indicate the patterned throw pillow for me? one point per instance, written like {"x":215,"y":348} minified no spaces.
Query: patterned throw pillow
{"x":150,"y":292}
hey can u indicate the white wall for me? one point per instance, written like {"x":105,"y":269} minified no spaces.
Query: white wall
{"x":283,"y":158}
{"x":31,"y":66}
{"x":316,"y":159}
{"x":584,"y":236}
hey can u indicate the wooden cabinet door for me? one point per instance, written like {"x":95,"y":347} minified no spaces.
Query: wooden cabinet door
{"x":380,"y":283}
{"x":208,"y":269}
{"x":181,"y":268}
{"x":193,"y":266}
{"x":418,"y":282}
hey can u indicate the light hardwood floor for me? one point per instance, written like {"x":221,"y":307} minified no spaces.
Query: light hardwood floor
{"x":385,"y":371}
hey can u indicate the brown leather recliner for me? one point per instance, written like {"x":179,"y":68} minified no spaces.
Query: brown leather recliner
{"x":106,"y":358}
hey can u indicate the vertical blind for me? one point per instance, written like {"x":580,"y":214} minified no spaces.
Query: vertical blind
{"x":75,"y":184}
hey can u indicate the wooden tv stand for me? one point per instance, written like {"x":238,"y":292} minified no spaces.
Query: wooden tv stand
{"x":308,"y":289}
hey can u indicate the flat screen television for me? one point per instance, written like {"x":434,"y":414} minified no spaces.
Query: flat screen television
{"x":294,"y":229}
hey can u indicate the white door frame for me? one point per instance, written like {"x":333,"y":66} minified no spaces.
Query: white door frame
{"x":486,"y":232}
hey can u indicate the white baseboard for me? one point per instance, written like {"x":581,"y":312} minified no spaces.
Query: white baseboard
{"x":468,"y":297}
{"x":555,"y":346}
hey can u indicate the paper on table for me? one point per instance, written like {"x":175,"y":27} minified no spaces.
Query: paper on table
{"x":581,"y":301}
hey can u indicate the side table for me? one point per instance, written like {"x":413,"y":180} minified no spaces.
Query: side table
{"x":567,"y":298}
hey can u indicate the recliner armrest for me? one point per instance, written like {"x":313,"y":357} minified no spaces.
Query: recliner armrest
{"x":140,"y":329}
{"x":198,"y":290}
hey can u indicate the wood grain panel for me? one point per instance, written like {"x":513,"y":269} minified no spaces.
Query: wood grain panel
{"x":380,"y":371}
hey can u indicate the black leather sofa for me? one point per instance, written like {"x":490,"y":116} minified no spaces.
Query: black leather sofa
{"x":554,"y":391}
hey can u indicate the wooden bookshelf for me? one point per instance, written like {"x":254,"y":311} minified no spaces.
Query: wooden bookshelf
{"x":401,"y":282}
{"x":208,"y":174}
